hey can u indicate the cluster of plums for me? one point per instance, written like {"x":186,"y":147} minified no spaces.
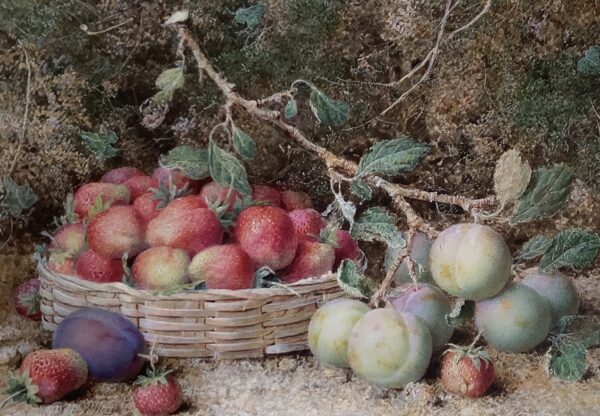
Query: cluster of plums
{"x":393,"y":346}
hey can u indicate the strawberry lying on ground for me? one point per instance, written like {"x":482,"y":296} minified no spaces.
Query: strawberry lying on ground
{"x":160,"y":268}
{"x":215,"y":194}
{"x":223,"y":267}
{"x":87,"y":196}
{"x":27,"y":299}
{"x":308,"y":223}
{"x":70,"y":237}
{"x":138,"y":185}
{"x":158,"y":393}
{"x":292,"y":200}
{"x":313,"y":259}
{"x":467,"y":371}
{"x":267,"y":235}
{"x":116,"y":231}
{"x":95,"y":268}
{"x":46,"y":376}
{"x":120,"y":175}
{"x":267,"y":194}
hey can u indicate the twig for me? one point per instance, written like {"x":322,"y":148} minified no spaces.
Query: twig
{"x":88,"y":32}
{"x":26,"y":113}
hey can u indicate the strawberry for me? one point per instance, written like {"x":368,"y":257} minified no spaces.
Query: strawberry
{"x":223,"y":267}
{"x":120,"y":175}
{"x":191,"y":230}
{"x":158,"y":393}
{"x":46,"y":376}
{"x":138,"y":185}
{"x":146,"y":206}
{"x":308,"y":223}
{"x":70,"y":237}
{"x":266,"y":193}
{"x":186,"y":203}
{"x":116,"y":231}
{"x":27,"y":299}
{"x":267,"y":235}
{"x":62,"y":262}
{"x":347,"y":248}
{"x":292,"y":200}
{"x":214,"y":193}
{"x":160,"y":268}
{"x":174,"y":177}
{"x":313,"y":259}
{"x":95,"y":268}
{"x":467,"y":371}
{"x":108,"y":193}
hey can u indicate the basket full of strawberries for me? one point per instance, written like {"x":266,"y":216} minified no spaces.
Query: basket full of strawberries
{"x":201,"y":269}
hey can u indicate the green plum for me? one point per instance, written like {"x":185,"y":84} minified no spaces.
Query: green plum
{"x":420,"y":255}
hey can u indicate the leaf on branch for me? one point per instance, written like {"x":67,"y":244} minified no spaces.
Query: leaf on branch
{"x":390,"y":157}
{"x":568,"y":361}
{"x":361,"y":189}
{"x":291,"y":109}
{"x":226,"y":170}
{"x":574,"y":248}
{"x":547,"y":196}
{"x":378,"y":224}
{"x":250,"y":16}
{"x":589,"y":64}
{"x":192,"y":161}
{"x":16,"y":199}
{"x":352,"y":282}
{"x":461,"y":313}
{"x":243,"y":144}
{"x":328,"y":111}
{"x":535,"y":247}
{"x":100,"y":144}
{"x":168,"y":82}
{"x":511,"y":177}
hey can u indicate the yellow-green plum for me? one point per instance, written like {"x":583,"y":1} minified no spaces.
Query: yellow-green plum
{"x":429,"y":303}
{"x":330,"y":327}
{"x":515,"y":320}
{"x":470,"y":261}
{"x":558,"y":290}
{"x":420,"y":255}
{"x":390,"y":348}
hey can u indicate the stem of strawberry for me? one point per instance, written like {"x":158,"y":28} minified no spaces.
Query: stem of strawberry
{"x":12,"y":396}
{"x":472,"y":345}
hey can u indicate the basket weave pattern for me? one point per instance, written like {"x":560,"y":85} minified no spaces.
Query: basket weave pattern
{"x":220,"y":324}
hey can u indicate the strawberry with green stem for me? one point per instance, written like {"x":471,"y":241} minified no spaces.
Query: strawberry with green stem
{"x":27,"y":299}
{"x":148,"y":205}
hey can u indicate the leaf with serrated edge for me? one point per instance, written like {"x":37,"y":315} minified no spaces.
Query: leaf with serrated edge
{"x":328,"y":111}
{"x":511,"y":177}
{"x":250,"y":16}
{"x":378,"y":224}
{"x":547,"y":196}
{"x":243,"y":144}
{"x":390,"y":157}
{"x":361,"y":189}
{"x":168,"y":82}
{"x":352,"y":282}
{"x":589,"y":64}
{"x":100,"y":144}
{"x":291,"y":109}
{"x":574,"y":248}
{"x":16,"y":198}
{"x":535,"y":247}
{"x":226,"y":170}
{"x":192,"y":161}
{"x":568,"y":361}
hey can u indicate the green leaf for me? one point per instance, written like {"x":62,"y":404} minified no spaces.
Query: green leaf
{"x":250,"y":16}
{"x":243,"y":144}
{"x":16,"y":199}
{"x":291,"y":109}
{"x":589,"y":64}
{"x":378,"y":224}
{"x":574,"y":248}
{"x":547,"y":196}
{"x":328,"y":111}
{"x":226,"y":170}
{"x":511,"y":177}
{"x":361,"y":189}
{"x":100,"y":144}
{"x":535,"y":247}
{"x":352,"y":282}
{"x":461,"y":313}
{"x":168,"y":82}
{"x":568,"y":361}
{"x":192,"y":161}
{"x":390,"y":157}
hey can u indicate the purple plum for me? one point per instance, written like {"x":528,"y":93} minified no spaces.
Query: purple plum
{"x":108,"y":342}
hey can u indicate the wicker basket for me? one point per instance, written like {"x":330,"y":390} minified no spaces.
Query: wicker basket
{"x":230,"y":324}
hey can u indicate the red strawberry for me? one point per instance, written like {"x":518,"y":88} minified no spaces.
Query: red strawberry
{"x":292,"y":200}
{"x":267,"y":234}
{"x":191,"y":230}
{"x":213,"y":193}
{"x":157,"y":394}
{"x":48,"y":375}
{"x":27,"y":299}
{"x":347,"y":248}
{"x":116,"y":231}
{"x":138,"y":185}
{"x":467,"y":371}
{"x":266,"y":193}
{"x":223,"y":267}
{"x":62,"y":262}
{"x":186,"y":203}
{"x":70,"y":237}
{"x":174,"y":177}
{"x":120,"y":175}
{"x":110,"y":194}
{"x":308,"y":223}
{"x":313,"y":259}
{"x":147,"y":206}
{"x":160,"y":268}
{"x":95,"y":268}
